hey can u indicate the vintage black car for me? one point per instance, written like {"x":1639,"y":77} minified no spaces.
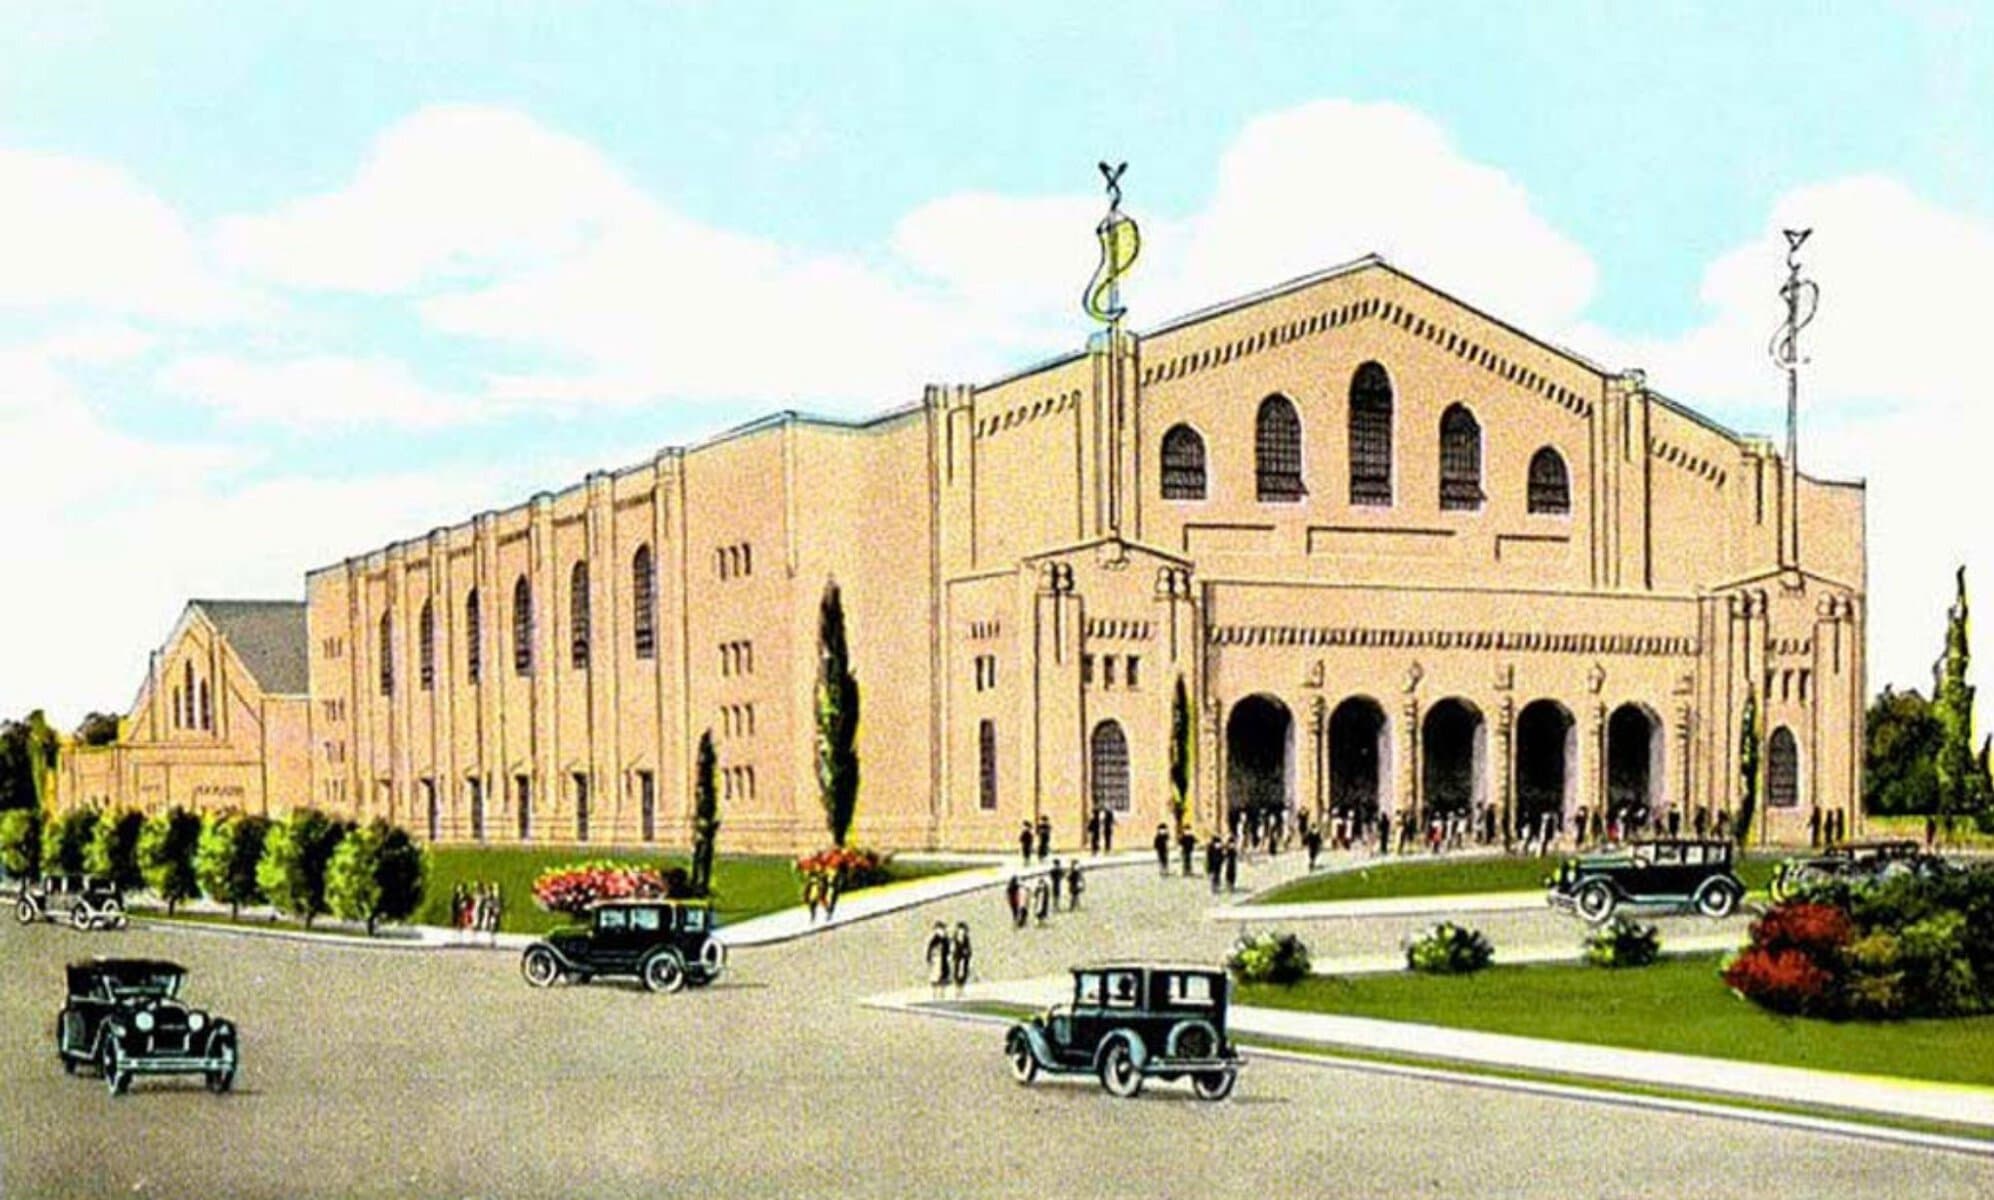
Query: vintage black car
{"x":1665,"y":872}
{"x":86,"y":903}
{"x":124,"y":1018}
{"x":1133,"y":1021}
{"x":1854,"y":861}
{"x":668,"y":944}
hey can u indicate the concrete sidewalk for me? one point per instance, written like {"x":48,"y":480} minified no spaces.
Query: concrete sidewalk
{"x":1385,"y":906}
{"x":1915,"y":1099}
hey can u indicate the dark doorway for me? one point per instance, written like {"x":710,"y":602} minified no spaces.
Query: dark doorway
{"x":1453,"y":760}
{"x":1356,"y":756}
{"x":1633,"y":763}
{"x":1259,"y":741}
{"x":1545,"y":744}
{"x":1110,"y":761}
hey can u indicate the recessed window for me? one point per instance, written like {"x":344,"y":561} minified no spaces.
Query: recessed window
{"x":578,"y":616}
{"x":1371,"y":436}
{"x":1460,"y":460}
{"x":1277,"y":451}
{"x":643,"y":603}
{"x":522,"y":627}
{"x":986,"y":761}
{"x":387,"y":654}
{"x":426,"y":646}
{"x":1183,"y":464}
{"x":1550,"y":483}
{"x":474,"y":654}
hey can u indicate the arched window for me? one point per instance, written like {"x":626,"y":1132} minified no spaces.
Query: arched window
{"x":1183,"y":464}
{"x":426,"y":646}
{"x":179,"y":708}
{"x":387,"y":663}
{"x":1277,"y":451}
{"x":1460,"y":460}
{"x":207,"y":710}
{"x":474,"y":654}
{"x":522,"y":627}
{"x":187,"y":671}
{"x":1550,"y":485}
{"x":1782,"y":769}
{"x":1109,"y":757}
{"x":1371,"y":436}
{"x":578,"y":616}
{"x":986,"y":764}
{"x":643,"y":603}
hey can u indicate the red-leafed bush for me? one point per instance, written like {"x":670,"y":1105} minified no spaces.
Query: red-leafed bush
{"x":1786,"y":981}
{"x":1816,"y":930}
{"x":846,"y":867}
{"x":571,"y":889}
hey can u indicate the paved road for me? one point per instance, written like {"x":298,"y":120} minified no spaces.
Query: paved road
{"x":382,"y":1073}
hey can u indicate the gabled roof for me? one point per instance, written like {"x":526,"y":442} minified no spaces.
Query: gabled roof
{"x":268,"y":636}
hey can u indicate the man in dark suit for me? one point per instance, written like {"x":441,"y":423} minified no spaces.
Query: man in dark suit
{"x":1187,"y":845}
{"x":1025,"y":842}
{"x":1044,"y":836}
{"x":1108,"y":830}
{"x":1094,"y":832}
{"x":1162,"y":848}
{"x":1231,"y":866}
{"x":1214,"y":861}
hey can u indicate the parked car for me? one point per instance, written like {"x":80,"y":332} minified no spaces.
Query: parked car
{"x":86,"y":903}
{"x":124,"y":1018}
{"x":668,"y":944}
{"x":1133,"y":1021}
{"x":1666,"y":872}
{"x":1853,"y":861}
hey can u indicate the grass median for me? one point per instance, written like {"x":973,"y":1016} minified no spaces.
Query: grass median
{"x":1392,"y":877}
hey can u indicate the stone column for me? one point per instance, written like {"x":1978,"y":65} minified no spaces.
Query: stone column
{"x":1506,"y":765}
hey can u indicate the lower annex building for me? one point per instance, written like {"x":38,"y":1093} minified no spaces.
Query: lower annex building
{"x":1403,"y":556}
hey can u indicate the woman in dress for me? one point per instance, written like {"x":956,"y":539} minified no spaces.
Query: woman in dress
{"x":940,"y":969}
{"x":961,"y":951}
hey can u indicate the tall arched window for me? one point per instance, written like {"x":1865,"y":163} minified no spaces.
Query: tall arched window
{"x":207,"y":708}
{"x":1371,"y":436}
{"x":1460,"y":459}
{"x":1782,"y":769}
{"x":426,"y":646}
{"x":1109,"y":758}
{"x":1277,"y":451}
{"x":643,"y":603}
{"x":187,"y":670}
{"x":474,"y":652}
{"x":1550,"y":485}
{"x":986,"y":764}
{"x":1183,"y":464}
{"x":387,"y":663}
{"x":522,"y":627}
{"x":578,"y":616}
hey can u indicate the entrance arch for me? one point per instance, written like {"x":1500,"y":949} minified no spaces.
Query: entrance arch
{"x":1546,"y":746}
{"x":1634,"y":770}
{"x":1108,"y":756}
{"x":1358,"y":756}
{"x":1453,"y":767}
{"x":1259,"y":748}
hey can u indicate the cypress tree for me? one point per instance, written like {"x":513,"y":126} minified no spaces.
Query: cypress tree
{"x":837,"y":717}
{"x":705,"y":817}
{"x":1748,"y":767}
{"x":1180,"y":753}
{"x":1952,"y":705}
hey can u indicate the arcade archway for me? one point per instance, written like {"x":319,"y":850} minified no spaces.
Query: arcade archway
{"x":1454,"y":759}
{"x":1259,"y":740}
{"x":1546,"y":745}
{"x":1358,"y":757}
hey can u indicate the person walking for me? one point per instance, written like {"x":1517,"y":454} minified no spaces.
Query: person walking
{"x":498,"y":912}
{"x":1025,"y":842}
{"x":1058,"y":876}
{"x":460,"y":905}
{"x":1014,"y":896}
{"x":811,"y":896}
{"x":1214,"y":861}
{"x":832,"y":886}
{"x":1094,"y":832}
{"x":961,"y":956}
{"x":1041,"y":900}
{"x":941,"y":967}
{"x":1107,"y":831}
{"x":1814,"y":826}
{"x":1074,"y":886}
{"x":1231,"y":866}
{"x":1162,"y":844}
{"x":1044,"y":836}
{"x":1312,"y":841}
{"x":1187,"y":846}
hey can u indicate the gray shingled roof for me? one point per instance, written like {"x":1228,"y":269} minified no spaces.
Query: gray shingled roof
{"x":268,"y":636}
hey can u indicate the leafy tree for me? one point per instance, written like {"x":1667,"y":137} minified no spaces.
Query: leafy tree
{"x":1900,"y":755}
{"x":1952,"y":707}
{"x":225,"y":861}
{"x":376,"y":874}
{"x":65,"y":839}
{"x":1180,"y":753}
{"x":166,"y":846}
{"x":27,"y":762}
{"x":705,"y":817}
{"x":292,"y":869}
{"x":1748,"y":767}
{"x":98,"y":729}
{"x":21,"y":842}
{"x":113,"y":850}
{"x":837,"y":717}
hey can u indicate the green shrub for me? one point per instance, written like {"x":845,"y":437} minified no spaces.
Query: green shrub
{"x":1449,"y":949}
{"x":292,"y":869}
{"x":1269,"y":958}
{"x":1623,"y":943}
{"x":166,"y":846}
{"x":113,"y":850}
{"x":225,"y":860}
{"x":21,"y":842}
{"x":375,"y":874}
{"x":65,"y":839}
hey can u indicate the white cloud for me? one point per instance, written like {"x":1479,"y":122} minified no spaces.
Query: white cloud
{"x":79,"y":233}
{"x":317,"y":392}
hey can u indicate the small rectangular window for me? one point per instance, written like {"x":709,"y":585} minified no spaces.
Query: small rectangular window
{"x":1087,"y":670}
{"x":1134,"y":667}
{"x":1107,"y":670}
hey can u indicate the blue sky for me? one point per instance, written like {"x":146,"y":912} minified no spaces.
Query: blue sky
{"x":371,"y":267}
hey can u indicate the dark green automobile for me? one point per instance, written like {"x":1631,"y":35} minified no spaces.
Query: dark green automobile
{"x":1133,"y":1021}
{"x":665,"y":944}
{"x":124,"y":1018}
{"x":1688,"y":874}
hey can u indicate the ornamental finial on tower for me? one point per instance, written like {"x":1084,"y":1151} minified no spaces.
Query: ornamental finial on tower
{"x":1120,"y":243}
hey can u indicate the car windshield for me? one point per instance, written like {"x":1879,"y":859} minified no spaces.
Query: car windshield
{"x":1191,"y":991}
{"x":164,"y":984}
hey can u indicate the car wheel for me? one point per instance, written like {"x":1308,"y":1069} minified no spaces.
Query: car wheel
{"x":24,"y":912}
{"x":80,"y":917}
{"x":1596,"y":901}
{"x":1024,"y":1064}
{"x":221,"y":1077}
{"x":1716,"y":899}
{"x":1194,"y":1039}
{"x":1119,"y":1074}
{"x":539,"y":966}
{"x":712,"y":959}
{"x":663,"y":972}
{"x":1214,"y":1085}
{"x":117,"y":1079}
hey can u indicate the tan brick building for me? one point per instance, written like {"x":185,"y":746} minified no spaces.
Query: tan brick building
{"x":1402,"y":555}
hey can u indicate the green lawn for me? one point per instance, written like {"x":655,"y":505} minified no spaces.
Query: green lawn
{"x":1964,"y":834}
{"x":744,"y":886}
{"x":1414,"y":876}
{"x":1678,"y":1005}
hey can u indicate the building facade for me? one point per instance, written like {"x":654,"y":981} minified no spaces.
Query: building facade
{"x":1402,"y":556}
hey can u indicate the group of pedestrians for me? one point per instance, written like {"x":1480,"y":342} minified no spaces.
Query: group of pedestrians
{"x":475,"y":908}
{"x":820,"y":895}
{"x":1038,"y":900}
{"x":948,"y":958}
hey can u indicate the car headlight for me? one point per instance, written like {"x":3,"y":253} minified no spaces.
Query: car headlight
{"x":196,"y":1022}
{"x":144,"y":1022}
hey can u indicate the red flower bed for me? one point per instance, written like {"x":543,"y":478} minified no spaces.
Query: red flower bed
{"x":571,"y":889}
{"x":1785,"y":981}
{"x":1815,"y":930}
{"x":846,"y":866}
